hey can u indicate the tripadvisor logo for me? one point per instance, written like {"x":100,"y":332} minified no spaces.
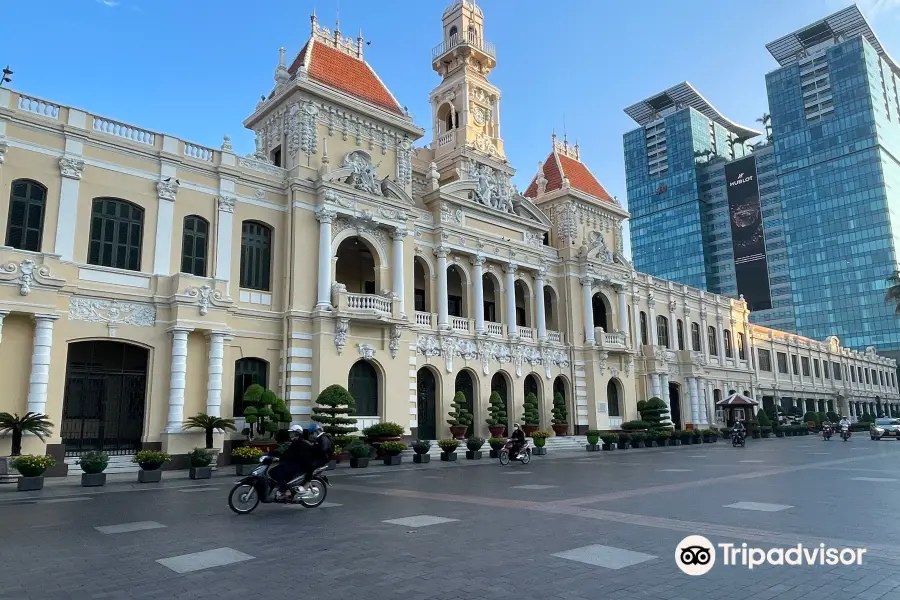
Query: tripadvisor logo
{"x":696,"y":555}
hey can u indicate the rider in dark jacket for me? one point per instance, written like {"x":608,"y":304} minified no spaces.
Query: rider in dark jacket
{"x":294,"y":460}
{"x":518,"y":438}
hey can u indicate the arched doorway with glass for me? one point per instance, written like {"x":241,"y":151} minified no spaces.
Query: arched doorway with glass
{"x":357,"y":266}
{"x":465,"y":383}
{"x":675,"y":405}
{"x":614,"y":402}
{"x":560,"y":388}
{"x":426,"y":407}
{"x":421,"y":288}
{"x":499,"y":385}
{"x":492,"y":303}
{"x":601,"y":311}
{"x":105,"y":397}
{"x":364,"y":384}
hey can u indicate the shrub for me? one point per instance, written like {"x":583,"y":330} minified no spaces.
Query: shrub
{"x":31,"y":422}
{"x":696,"y":433}
{"x":30,"y":465}
{"x":496,"y":443}
{"x":199,"y":457}
{"x":422,"y":446}
{"x":593,"y":437}
{"x":358,"y":449}
{"x":633,"y":425}
{"x":210,"y":425}
{"x":655,"y":413}
{"x":624,"y":438}
{"x":833,"y":416}
{"x":766,"y":429}
{"x":763,"y":419}
{"x":663,"y":434}
{"x":638,"y":436}
{"x":531,"y":415}
{"x":474,"y":443}
{"x":449,"y":445}
{"x":150,"y":460}
{"x":811,"y":416}
{"x":246,"y":455}
{"x":93,"y":462}
{"x":383,"y":430}
{"x":264,"y":410}
{"x":333,"y":409}
{"x":460,"y":415}
{"x":865,"y":418}
{"x":393,"y":448}
{"x":496,"y":411}
{"x":610,"y":438}
{"x":685,"y":435}
{"x":560,"y":411}
{"x":820,"y":418}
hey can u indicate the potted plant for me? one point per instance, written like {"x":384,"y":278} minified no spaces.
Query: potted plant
{"x":473,"y":447}
{"x":540,"y":440}
{"x":637,"y":439}
{"x":359,"y":454}
{"x":448,"y":449}
{"x":654,"y":413}
{"x":333,"y":410}
{"x":245,"y":459}
{"x":265,"y":412}
{"x":624,"y":441}
{"x":592,"y":438}
{"x":93,"y":464}
{"x":662,"y":437}
{"x":779,"y":431}
{"x":497,"y":415}
{"x":697,"y":435}
{"x":707,"y":436}
{"x":460,"y":417}
{"x":31,"y":470}
{"x":674,"y":438}
{"x":531,"y":417}
{"x":150,"y":462}
{"x":560,"y":415}
{"x":200,"y":459}
{"x":764,"y":425}
{"x":496,"y":444}
{"x":421,"y":448}
{"x":687,"y":437}
{"x":16,"y":426}
{"x":609,"y":441}
{"x":380,"y":433}
{"x":210,"y":424}
{"x":392,"y":452}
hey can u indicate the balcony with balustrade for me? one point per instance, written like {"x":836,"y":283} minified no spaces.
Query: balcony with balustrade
{"x":466,"y":42}
{"x":611,"y":341}
{"x":377,"y":307}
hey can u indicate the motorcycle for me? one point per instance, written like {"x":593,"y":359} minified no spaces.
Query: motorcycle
{"x":524,"y":454}
{"x":845,"y":432}
{"x":738,"y":439}
{"x":826,"y":433}
{"x":259,"y":487}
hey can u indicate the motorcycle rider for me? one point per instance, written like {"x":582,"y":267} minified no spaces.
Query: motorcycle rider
{"x":294,"y":459}
{"x":740,"y":429}
{"x":323,"y":449}
{"x":845,"y":422}
{"x":518,"y":439}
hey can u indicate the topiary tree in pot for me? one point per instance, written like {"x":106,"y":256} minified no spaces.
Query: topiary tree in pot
{"x":460,"y":417}
{"x":333,"y":411}
{"x":560,"y":415}
{"x":654,"y":412}
{"x":93,"y":464}
{"x":497,"y":415}
{"x":531,"y":417}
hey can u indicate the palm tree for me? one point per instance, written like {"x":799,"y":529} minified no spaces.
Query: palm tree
{"x":210,"y":425}
{"x":738,"y":139}
{"x":893,"y":292}
{"x":766,"y":120}
{"x":31,"y":422}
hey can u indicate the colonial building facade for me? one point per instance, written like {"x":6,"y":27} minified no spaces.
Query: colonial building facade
{"x":147,"y":278}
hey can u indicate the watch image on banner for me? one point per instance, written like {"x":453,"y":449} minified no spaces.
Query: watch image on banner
{"x":751,"y":268}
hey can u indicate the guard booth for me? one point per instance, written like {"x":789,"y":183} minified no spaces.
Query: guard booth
{"x":734,"y":408}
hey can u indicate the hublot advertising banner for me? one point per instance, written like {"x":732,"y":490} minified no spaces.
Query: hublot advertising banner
{"x":747,"y":236}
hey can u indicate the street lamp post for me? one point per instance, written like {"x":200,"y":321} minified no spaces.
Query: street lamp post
{"x":6,"y":76}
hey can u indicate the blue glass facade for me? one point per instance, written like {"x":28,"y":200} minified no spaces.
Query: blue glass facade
{"x":836,"y":126}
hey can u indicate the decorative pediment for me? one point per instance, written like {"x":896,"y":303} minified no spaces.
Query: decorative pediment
{"x":359,"y":172}
{"x":27,"y":275}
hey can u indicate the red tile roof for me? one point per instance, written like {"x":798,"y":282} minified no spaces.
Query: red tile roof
{"x":345,"y":73}
{"x":580,"y":178}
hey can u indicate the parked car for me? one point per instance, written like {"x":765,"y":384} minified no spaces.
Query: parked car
{"x":885,"y":428}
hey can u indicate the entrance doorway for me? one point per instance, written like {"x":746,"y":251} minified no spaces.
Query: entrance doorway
{"x":104,"y":398}
{"x":427,"y":404}
{"x":466,"y":385}
{"x":675,"y":404}
{"x":498,"y":384}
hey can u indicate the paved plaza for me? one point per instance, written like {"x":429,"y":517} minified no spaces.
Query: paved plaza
{"x":578,"y":526}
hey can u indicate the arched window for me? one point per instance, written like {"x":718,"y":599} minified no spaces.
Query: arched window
{"x":742,"y":352}
{"x":728,"y":351}
{"x":711,"y":338}
{"x":695,"y":337}
{"x":612,"y":399}
{"x":256,"y":255}
{"x":643,"y":328}
{"x":362,"y":384}
{"x":247,"y":371}
{"x":679,"y":331}
{"x":117,"y":230}
{"x":598,"y":308}
{"x":662,"y":331}
{"x":26,"y":215}
{"x":194,"y":243}
{"x":453,"y":31}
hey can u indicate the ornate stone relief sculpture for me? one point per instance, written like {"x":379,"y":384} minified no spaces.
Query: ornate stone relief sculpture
{"x":629,"y":363}
{"x":450,"y":214}
{"x":492,"y":187}
{"x":596,"y":247}
{"x":26,"y":274}
{"x":341,"y":330}
{"x":71,"y":167}
{"x":404,"y":162}
{"x":394,"y":345}
{"x":602,"y":357}
{"x":205,"y":296}
{"x":366,"y":351}
{"x":363,"y":175}
{"x":4,"y":146}
{"x":448,"y":349}
{"x":167,"y":189}
{"x":111,"y":312}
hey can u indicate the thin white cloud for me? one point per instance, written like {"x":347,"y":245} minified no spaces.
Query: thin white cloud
{"x":877,"y":8}
{"x":109,"y":3}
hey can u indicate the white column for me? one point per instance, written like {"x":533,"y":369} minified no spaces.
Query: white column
{"x":478,"y":276}
{"x":704,"y":334}
{"x":720,"y":337}
{"x":710,"y":404}
{"x":214,"y":383}
{"x":664,"y":382}
{"x":224,"y":235}
{"x":673,"y":329}
{"x":443,"y":310}
{"x":623,"y":310}
{"x":636,"y":320}
{"x":703,"y":401}
{"x":40,"y":363}
{"x":398,"y":234}
{"x":176,"y":379}
{"x":70,"y":168}
{"x":695,"y":400}
{"x":165,"y":215}
{"x":511,"y":328}
{"x":323,"y":297}
{"x":654,"y":340}
{"x":539,"y":305}
{"x":654,"y":384}
{"x":586,"y":284}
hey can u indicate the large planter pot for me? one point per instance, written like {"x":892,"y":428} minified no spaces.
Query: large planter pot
{"x":30,"y":484}
{"x":592,"y":447}
{"x":529,"y":429}
{"x":473,"y":454}
{"x":674,"y":442}
{"x":764,"y":434}
{"x":421,"y":459}
{"x":561,"y":429}
{"x":637,"y":444}
{"x":608,"y":447}
{"x":242,"y":469}
{"x":200,"y":472}
{"x":539,"y":451}
{"x":377,"y":441}
{"x":623,"y":445}
{"x":458,"y":431}
{"x":93,"y":479}
{"x":7,"y":471}
{"x":149,"y":476}
{"x":392,"y":461}
{"x":756,"y":435}
{"x":497,"y":431}
{"x":707,"y":439}
{"x":779,"y":434}
{"x":494,"y":453}
{"x":448,"y":456}
{"x":359,"y":463}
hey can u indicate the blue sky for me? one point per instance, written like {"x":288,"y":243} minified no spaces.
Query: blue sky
{"x":195,"y":68}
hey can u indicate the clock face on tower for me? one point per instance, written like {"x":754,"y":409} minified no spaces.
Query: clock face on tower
{"x":480,"y":116}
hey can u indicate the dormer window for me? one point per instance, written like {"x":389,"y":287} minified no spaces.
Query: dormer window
{"x":275,"y":156}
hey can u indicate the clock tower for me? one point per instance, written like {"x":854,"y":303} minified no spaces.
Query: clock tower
{"x":465,"y":106}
